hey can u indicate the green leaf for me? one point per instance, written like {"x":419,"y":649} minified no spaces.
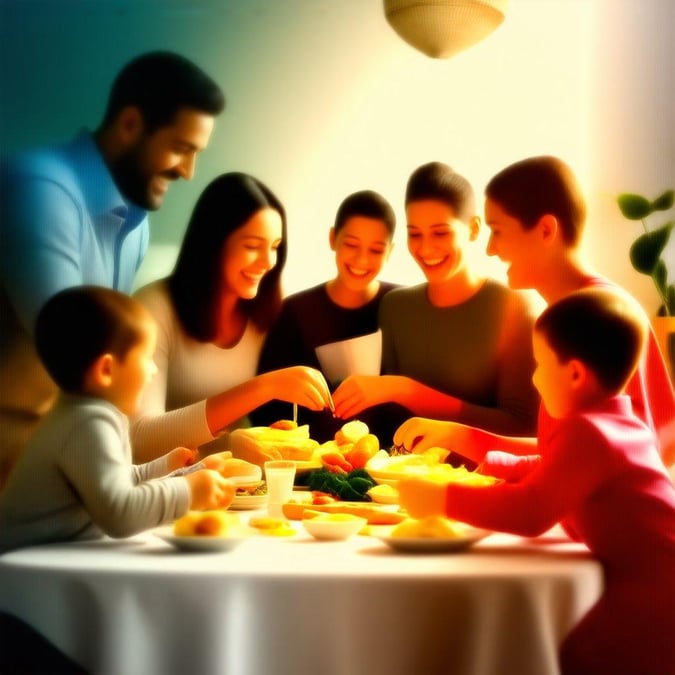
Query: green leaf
{"x":647,"y":248}
{"x":671,"y":300}
{"x":663,"y":202}
{"x":660,"y":277}
{"x":634,"y":207}
{"x":668,"y":308}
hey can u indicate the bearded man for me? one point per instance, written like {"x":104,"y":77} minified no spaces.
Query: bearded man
{"x":76,"y":214}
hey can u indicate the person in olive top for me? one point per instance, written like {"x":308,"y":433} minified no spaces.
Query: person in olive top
{"x":339,"y":314}
{"x":458,"y":346}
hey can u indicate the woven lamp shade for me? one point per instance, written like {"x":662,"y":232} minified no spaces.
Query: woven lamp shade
{"x":441,"y":28}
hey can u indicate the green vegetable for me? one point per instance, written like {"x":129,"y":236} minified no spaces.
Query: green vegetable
{"x":351,"y":487}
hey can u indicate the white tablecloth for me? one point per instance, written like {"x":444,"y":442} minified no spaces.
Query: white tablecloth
{"x":277,"y":606}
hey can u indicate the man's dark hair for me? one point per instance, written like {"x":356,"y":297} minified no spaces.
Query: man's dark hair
{"x":438,"y":182}
{"x":79,"y":324}
{"x":368,"y":204}
{"x":159,"y":84}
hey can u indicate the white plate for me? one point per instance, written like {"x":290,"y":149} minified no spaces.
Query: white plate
{"x":201,"y":543}
{"x":434,"y":545}
{"x":246,"y":502}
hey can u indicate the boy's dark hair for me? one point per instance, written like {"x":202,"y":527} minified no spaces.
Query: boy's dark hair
{"x":159,"y":84}
{"x":368,"y":204}
{"x":195,"y":283}
{"x":438,"y":182}
{"x":79,"y":324}
{"x":538,"y":186}
{"x":602,"y":329}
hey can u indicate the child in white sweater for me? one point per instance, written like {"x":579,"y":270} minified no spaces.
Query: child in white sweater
{"x":75,"y":478}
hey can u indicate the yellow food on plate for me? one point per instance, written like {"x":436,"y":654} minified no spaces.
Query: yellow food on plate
{"x":435,"y":527}
{"x":351,"y":432}
{"x":271,"y":527}
{"x":213,"y":523}
{"x":384,"y":494}
{"x":384,"y":468}
{"x":291,"y":443}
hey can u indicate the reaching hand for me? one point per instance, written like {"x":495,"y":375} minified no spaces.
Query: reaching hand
{"x":419,"y":434}
{"x":302,"y":385}
{"x":358,"y":392}
{"x":179,"y":458}
{"x":210,"y":490}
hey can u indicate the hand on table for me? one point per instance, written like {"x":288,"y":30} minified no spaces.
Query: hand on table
{"x":422,"y":498}
{"x":210,"y":490}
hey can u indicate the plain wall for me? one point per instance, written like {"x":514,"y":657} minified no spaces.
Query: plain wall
{"x":325,"y":99}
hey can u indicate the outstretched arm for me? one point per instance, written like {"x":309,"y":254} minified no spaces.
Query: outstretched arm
{"x":419,"y":434}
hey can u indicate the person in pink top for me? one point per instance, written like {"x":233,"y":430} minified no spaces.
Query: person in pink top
{"x":598,"y":473}
{"x":536,"y":213}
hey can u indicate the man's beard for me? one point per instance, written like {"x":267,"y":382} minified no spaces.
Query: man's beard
{"x":134,"y":183}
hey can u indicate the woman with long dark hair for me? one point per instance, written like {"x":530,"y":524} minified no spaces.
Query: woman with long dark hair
{"x":213,"y":312}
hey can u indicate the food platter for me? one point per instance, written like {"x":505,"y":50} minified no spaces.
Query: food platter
{"x":375,"y":514}
{"x":248,"y":502}
{"x":198,"y":543}
{"x":434,"y":545}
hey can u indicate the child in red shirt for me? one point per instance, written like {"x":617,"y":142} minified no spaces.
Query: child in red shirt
{"x":599,"y":474}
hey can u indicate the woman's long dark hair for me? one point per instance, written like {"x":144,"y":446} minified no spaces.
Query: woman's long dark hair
{"x":226,"y":204}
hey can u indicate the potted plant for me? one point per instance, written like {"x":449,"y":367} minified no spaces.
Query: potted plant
{"x":646,"y":256}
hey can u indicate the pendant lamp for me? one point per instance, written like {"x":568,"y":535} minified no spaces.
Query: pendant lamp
{"x":441,"y":28}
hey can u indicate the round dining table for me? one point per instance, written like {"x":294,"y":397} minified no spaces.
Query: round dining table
{"x":298,"y":606}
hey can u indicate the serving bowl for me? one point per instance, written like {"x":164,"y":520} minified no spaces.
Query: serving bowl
{"x":333,"y":526}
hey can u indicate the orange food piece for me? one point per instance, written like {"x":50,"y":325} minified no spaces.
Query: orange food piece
{"x":284,"y":424}
{"x":331,"y":459}
{"x":363,"y":450}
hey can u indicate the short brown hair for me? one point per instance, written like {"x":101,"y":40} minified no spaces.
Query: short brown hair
{"x":604,"y":330}
{"x":539,"y":186}
{"x":439,"y":182}
{"x":79,"y":324}
{"x":368,"y":204}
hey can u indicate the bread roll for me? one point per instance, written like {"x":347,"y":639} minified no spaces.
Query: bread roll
{"x":292,"y":444}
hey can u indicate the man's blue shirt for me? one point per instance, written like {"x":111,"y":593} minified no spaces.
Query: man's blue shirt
{"x":64,"y":223}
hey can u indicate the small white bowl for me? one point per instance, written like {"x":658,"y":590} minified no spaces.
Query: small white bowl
{"x":333,"y":526}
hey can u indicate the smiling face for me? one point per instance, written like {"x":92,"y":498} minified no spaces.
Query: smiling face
{"x":250,"y":252}
{"x":145,"y":169}
{"x":362,"y":246}
{"x":437,"y":239}
{"x":514,"y":245}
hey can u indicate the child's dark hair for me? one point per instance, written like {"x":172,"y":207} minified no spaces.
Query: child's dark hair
{"x":368,"y":204}
{"x":79,"y":324}
{"x":604,"y":330}
{"x":437,"y":181}
{"x":539,"y":186}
